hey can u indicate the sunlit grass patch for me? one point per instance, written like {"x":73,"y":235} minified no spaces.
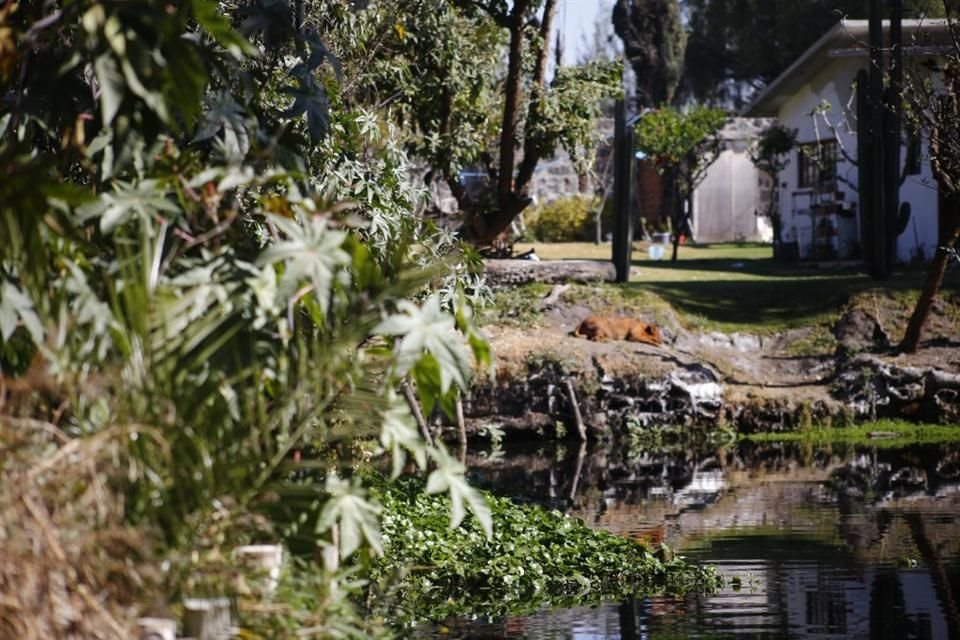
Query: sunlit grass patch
{"x":882,"y":434}
{"x":738,"y":287}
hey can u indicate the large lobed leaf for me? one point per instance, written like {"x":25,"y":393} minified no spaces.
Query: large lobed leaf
{"x":428,"y":330}
{"x":357,"y":517}
{"x":311,"y":251}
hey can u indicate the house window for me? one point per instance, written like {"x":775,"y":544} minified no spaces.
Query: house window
{"x":818,"y":165}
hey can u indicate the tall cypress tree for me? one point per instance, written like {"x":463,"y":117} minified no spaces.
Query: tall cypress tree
{"x":737,"y":47}
{"x":654,"y":43}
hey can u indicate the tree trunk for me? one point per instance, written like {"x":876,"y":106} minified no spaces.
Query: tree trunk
{"x":678,"y":225}
{"x":511,"y":103}
{"x":945,"y":164}
{"x":911,"y":338}
{"x":678,"y":214}
{"x":483,"y":228}
{"x":538,"y":83}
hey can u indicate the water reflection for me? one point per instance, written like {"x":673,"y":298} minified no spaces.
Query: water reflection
{"x":830,"y":542}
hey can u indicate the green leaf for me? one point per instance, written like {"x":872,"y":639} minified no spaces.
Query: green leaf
{"x":426,"y":373}
{"x":190,"y":308}
{"x":448,"y":476}
{"x":111,"y":87}
{"x":358,"y":518}
{"x":309,"y":98}
{"x":89,"y":311}
{"x":311,"y":252}
{"x":14,"y":305}
{"x":319,"y":53}
{"x":209,"y":17}
{"x":225,"y":114}
{"x":428,"y":329}
{"x":143,"y":200}
{"x":155,"y":100}
{"x":398,"y":434}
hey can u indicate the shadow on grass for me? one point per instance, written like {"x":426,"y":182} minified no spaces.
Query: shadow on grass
{"x":751,"y":266}
{"x":763,"y":267}
{"x":787,"y":301}
{"x":777,"y":298}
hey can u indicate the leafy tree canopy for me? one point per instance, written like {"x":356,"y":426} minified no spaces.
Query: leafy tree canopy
{"x":682,"y":139}
{"x":436,"y":69}
{"x":737,"y":47}
{"x":654,"y":43}
{"x":682,"y":145}
{"x":769,"y":152}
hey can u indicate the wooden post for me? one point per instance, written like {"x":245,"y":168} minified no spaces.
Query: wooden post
{"x":571,"y":394}
{"x":880,"y":264}
{"x":892,"y":115}
{"x":581,"y":456}
{"x":864,"y":169}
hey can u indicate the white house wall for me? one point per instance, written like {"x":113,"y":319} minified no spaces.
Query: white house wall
{"x":834,"y":85}
{"x":922,"y":231}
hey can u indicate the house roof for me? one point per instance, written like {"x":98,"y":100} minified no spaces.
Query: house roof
{"x":847,"y":37}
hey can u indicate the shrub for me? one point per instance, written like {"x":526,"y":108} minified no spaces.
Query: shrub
{"x":566,"y":219}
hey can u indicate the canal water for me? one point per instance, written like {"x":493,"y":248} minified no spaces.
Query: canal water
{"x":822,"y":542}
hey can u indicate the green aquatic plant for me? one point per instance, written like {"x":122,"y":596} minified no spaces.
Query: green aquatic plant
{"x":535,"y":558}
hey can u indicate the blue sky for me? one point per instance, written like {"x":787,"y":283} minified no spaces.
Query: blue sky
{"x":576,"y":18}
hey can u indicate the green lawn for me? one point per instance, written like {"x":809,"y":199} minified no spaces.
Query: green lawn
{"x":591,"y":251}
{"x":734,"y":287}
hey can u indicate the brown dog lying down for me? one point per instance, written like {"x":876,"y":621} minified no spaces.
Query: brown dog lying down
{"x":611,"y":328}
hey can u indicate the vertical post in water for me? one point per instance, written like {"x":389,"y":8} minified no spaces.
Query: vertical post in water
{"x":622,"y":193}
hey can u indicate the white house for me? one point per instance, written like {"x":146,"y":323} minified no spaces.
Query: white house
{"x":818,"y":190}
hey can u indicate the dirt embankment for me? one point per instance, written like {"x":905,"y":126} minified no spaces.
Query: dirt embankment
{"x":785,"y":381}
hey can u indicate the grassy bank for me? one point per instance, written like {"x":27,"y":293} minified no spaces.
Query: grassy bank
{"x":884,"y":434}
{"x":738,"y":287}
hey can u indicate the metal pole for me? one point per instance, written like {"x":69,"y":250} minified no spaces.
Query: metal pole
{"x":622,"y":191}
